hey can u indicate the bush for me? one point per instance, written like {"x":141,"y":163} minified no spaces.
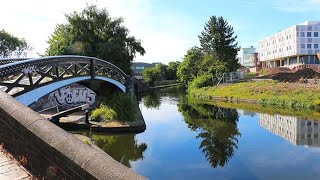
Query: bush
{"x":103,"y":113}
{"x":123,"y":105}
{"x":200,"y":81}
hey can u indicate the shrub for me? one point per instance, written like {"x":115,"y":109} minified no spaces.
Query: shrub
{"x":123,"y":105}
{"x":200,"y":81}
{"x":103,"y":113}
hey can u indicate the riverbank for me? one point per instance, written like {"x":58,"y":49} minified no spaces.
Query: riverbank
{"x":270,"y":93}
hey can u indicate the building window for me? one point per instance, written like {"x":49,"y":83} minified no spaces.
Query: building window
{"x":308,"y":34}
{"x":309,"y":39}
{"x":308,"y":46}
{"x":316,"y":34}
{"x":303,"y":46}
{"x":309,"y":28}
{"x":302,"y":34}
{"x":316,"y":46}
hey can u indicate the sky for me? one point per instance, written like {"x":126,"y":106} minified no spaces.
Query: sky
{"x":167,"y":28}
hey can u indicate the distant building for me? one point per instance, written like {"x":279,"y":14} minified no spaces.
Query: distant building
{"x":138,"y":67}
{"x":297,"y":131}
{"x":246,"y":57}
{"x":291,"y":47}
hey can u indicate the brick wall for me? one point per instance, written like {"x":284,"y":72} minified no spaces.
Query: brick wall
{"x":50,"y":151}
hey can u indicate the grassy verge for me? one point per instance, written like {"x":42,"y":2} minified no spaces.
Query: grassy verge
{"x":292,"y":95}
{"x":121,"y":107}
{"x":304,"y":114}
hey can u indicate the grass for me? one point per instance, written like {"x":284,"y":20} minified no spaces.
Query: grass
{"x":292,"y":95}
{"x":304,"y":114}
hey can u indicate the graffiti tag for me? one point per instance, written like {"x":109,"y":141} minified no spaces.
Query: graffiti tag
{"x":29,"y":70}
{"x":74,"y":96}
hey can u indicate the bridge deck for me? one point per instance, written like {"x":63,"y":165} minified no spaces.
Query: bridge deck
{"x":11,"y":168}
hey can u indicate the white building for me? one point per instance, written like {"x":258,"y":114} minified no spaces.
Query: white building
{"x":291,"y":47}
{"x":246,"y":56}
{"x":297,"y":131}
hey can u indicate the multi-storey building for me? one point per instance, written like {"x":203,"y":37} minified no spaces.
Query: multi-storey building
{"x":297,"y":131}
{"x":246,"y":56}
{"x":292,"y":47}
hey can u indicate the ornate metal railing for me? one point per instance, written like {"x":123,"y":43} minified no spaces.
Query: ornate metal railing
{"x":25,"y":75}
{"x":11,"y":60}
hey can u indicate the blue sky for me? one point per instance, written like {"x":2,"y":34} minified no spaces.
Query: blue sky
{"x":167,"y":28}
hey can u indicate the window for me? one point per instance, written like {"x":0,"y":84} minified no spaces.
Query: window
{"x":316,"y":46}
{"x":302,"y":34}
{"x":308,"y":34}
{"x":309,"y":28}
{"x":316,"y":34}
{"x":309,"y":39}
{"x":308,"y":46}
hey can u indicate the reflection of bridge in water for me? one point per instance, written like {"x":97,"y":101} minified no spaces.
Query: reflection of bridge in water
{"x":296,"y":130}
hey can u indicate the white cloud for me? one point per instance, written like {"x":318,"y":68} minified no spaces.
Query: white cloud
{"x":165,"y":35}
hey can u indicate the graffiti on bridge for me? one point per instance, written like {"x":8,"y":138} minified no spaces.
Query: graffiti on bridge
{"x":65,"y":98}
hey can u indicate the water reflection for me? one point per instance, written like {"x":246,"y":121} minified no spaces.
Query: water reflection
{"x":123,"y":148}
{"x":153,"y":99}
{"x":295,"y":130}
{"x":217,"y":129}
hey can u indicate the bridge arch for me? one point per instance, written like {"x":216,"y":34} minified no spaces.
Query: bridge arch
{"x":22,"y":76}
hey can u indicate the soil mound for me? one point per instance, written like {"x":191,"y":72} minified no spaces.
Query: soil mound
{"x":306,"y":73}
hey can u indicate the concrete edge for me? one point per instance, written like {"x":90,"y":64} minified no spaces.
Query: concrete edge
{"x":97,"y":163}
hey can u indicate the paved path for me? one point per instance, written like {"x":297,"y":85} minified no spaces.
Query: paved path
{"x":10,"y":169}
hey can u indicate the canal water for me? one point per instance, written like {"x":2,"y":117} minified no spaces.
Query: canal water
{"x":188,"y":140}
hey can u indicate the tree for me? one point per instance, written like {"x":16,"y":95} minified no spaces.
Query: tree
{"x":172,"y":70}
{"x":93,"y":32}
{"x":151,"y":75}
{"x":218,"y":39}
{"x":188,"y":69}
{"x":11,"y":46}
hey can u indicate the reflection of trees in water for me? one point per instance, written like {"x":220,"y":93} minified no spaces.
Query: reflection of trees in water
{"x":153,"y":99}
{"x":218,"y":130}
{"x":123,"y":148}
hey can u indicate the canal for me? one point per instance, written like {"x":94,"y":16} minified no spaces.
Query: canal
{"x":185,"y":139}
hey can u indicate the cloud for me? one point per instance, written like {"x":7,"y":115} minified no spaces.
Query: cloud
{"x":165,"y":35}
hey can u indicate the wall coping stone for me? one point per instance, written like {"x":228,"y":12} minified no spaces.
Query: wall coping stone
{"x":94,"y":161}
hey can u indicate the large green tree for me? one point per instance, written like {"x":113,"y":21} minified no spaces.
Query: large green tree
{"x":189,"y":67}
{"x":11,"y":46}
{"x":172,"y":70}
{"x":92,"y":32}
{"x":218,"y":39}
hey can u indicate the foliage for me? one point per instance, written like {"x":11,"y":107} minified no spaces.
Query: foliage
{"x":151,"y":75}
{"x":161,"y":72}
{"x":172,"y":70}
{"x":218,"y":39}
{"x":11,"y":46}
{"x":103,"y":113}
{"x":123,"y":104}
{"x":217,"y":128}
{"x":216,"y":55}
{"x":267,"y":93}
{"x":92,"y":32}
{"x":123,"y":148}
{"x":113,"y":108}
{"x":188,"y":68}
{"x":201,"y":81}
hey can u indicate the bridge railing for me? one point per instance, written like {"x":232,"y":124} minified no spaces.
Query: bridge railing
{"x":25,"y":75}
{"x":11,"y":60}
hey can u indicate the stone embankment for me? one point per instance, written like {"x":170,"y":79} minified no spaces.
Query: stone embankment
{"x":51,"y":152}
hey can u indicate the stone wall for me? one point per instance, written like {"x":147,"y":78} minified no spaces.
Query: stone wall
{"x":49,"y":151}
